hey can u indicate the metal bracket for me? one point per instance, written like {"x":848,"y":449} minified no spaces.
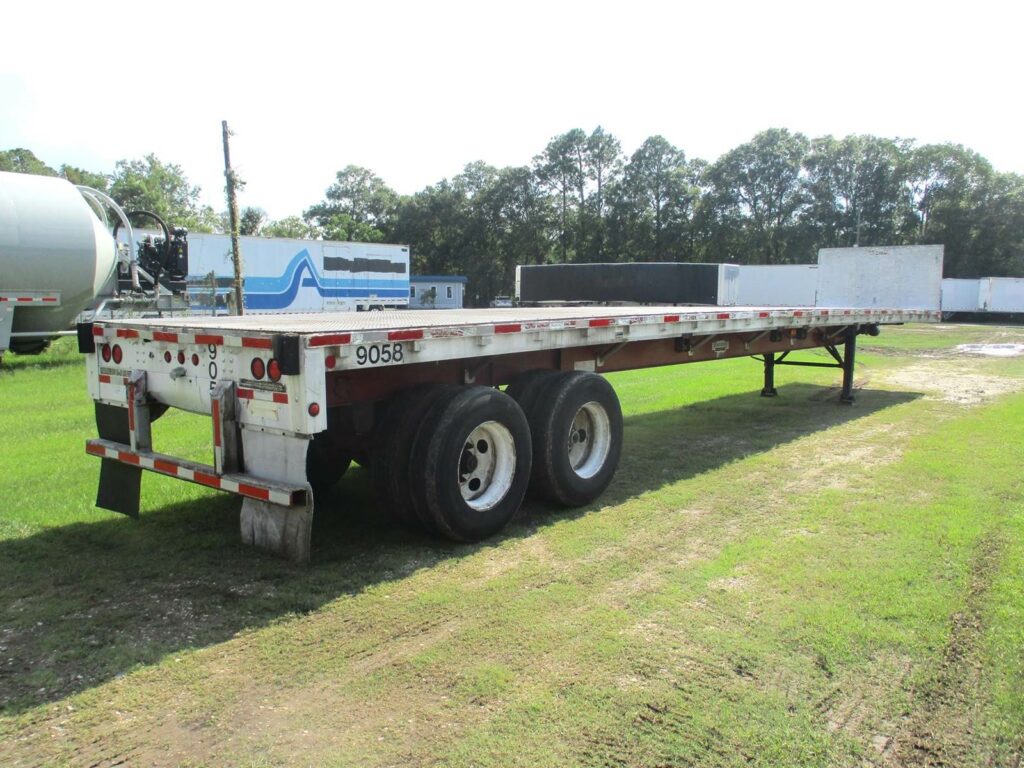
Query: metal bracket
{"x":227,"y":441}
{"x":685,"y":343}
{"x":756,"y":338}
{"x":140,"y":430}
{"x":603,"y":356}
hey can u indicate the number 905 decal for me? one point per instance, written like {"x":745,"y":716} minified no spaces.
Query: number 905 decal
{"x":379,"y":354}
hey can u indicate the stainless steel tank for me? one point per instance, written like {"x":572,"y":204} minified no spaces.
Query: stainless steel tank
{"x":50,"y":240}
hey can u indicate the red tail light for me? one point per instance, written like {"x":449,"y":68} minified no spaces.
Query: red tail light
{"x":195,"y":359}
{"x":117,"y":354}
{"x":258,"y":368}
{"x":105,"y":353}
{"x":181,"y":357}
{"x":274,"y":370}
{"x":167,"y":356}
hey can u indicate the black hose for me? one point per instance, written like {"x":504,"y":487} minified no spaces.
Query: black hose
{"x":150,"y":214}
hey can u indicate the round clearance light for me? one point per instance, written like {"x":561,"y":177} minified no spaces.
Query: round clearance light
{"x":117,"y":354}
{"x":314,"y":409}
{"x":330,"y":361}
{"x":258,"y":368}
{"x":274,"y":370}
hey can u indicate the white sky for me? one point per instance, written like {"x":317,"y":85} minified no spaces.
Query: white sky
{"x":414,"y":91}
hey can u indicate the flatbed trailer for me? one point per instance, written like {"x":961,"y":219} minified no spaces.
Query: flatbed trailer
{"x":414,"y":396}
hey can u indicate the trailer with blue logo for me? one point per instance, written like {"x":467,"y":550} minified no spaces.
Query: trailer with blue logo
{"x":287,"y":275}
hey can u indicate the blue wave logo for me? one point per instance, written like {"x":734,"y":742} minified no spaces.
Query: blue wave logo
{"x":280,"y":292}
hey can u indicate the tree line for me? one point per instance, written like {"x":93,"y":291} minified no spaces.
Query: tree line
{"x":775,"y":199}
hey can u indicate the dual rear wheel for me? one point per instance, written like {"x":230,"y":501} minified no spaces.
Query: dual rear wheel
{"x":458,"y":461}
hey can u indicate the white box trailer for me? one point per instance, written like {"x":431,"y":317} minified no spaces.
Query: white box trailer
{"x":783,"y":285}
{"x":291,"y":398}
{"x":291,"y":275}
{"x":908,"y":277}
{"x":1001,"y":294}
{"x":960,"y":294}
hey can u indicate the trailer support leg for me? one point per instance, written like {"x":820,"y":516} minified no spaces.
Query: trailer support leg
{"x":283,"y":531}
{"x":849,"y":355}
{"x":769,"y":376}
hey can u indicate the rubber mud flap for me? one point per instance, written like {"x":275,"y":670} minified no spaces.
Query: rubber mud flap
{"x":120,"y":484}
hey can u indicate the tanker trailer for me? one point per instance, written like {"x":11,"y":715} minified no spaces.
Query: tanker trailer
{"x":56,"y":255}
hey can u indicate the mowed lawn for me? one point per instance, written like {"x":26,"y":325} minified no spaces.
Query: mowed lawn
{"x":775,"y":582}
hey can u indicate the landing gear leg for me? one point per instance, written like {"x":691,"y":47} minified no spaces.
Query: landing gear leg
{"x":769,"y":376}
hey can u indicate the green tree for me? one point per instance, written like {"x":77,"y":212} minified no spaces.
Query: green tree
{"x":251,"y":221}
{"x":152,"y":185}
{"x":857,"y":190}
{"x":24,"y":161}
{"x":561,"y":168}
{"x":756,"y":194}
{"x":81,"y":177}
{"x":655,"y":203}
{"x":357,"y":202}
{"x":290,"y":226}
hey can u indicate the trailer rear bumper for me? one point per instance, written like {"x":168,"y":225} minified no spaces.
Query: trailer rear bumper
{"x":276,"y":516}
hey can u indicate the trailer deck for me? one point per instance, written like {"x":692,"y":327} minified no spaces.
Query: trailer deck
{"x":293,"y":397}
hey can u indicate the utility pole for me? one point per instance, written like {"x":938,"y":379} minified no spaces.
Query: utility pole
{"x":236,"y":252}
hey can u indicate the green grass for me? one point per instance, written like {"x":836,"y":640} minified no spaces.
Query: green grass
{"x":776,"y":582}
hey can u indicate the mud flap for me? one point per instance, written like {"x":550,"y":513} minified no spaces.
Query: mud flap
{"x":283,"y":531}
{"x":120,"y":484}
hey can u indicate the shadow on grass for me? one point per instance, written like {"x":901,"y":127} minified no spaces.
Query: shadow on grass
{"x":84,"y":603}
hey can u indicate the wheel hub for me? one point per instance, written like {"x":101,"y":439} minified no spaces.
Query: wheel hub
{"x":487,"y":465}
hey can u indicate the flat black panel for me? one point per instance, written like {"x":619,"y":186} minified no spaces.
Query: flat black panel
{"x":287,"y":350}
{"x":643,"y":283}
{"x":86,"y":340}
{"x":359,"y":264}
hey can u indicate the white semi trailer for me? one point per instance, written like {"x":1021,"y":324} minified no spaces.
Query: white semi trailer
{"x":291,"y":275}
{"x":415,"y":395}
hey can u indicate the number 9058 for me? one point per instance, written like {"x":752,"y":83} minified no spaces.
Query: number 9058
{"x":379,"y":354}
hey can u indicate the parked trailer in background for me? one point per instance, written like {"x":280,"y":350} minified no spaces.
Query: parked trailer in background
{"x":413,"y":394}
{"x":287,"y":275}
{"x":783,"y":285}
{"x":639,"y":283}
{"x":983,"y":294}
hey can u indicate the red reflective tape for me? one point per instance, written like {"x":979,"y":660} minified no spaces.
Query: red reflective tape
{"x":253,"y":491}
{"x":216,"y":421}
{"x":245,"y":394}
{"x":723,"y":315}
{"x":49,"y":298}
{"x":97,"y":331}
{"x":600,"y":322}
{"x":127,"y":333}
{"x":798,"y":314}
{"x":209,"y":339}
{"x":165,"y":336}
{"x":847,"y":312}
{"x":205,"y":479}
{"x":671,"y":318}
{"x":763,"y":314}
{"x":410,"y":335}
{"x":281,"y":397}
{"x":24,"y":298}
{"x":329,"y":339}
{"x":127,"y":458}
{"x":508,"y":328}
{"x":824,"y":312}
{"x":104,"y":379}
{"x":165,"y":466}
{"x":255,"y":343}
{"x":95,"y":450}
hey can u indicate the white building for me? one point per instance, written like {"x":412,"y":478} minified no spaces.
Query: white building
{"x":437,"y":291}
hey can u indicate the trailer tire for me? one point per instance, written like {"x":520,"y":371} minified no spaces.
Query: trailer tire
{"x":525,"y":388}
{"x":471,"y":462}
{"x":576,"y":423}
{"x":390,"y":451}
{"x":325,"y":464}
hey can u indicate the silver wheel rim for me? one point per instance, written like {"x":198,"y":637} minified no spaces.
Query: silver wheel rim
{"x":590,"y":439}
{"x":487,"y":465}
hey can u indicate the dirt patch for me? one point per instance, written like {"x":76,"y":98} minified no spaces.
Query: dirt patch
{"x":940,"y":729}
{"x":949,"y":384}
